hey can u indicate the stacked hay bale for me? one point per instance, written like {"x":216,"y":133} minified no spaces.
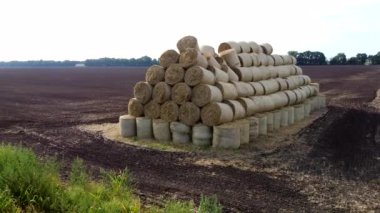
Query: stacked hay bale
{"x":234,"y":89}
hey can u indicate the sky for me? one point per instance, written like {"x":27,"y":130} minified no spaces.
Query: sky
{"x":83,"y":29}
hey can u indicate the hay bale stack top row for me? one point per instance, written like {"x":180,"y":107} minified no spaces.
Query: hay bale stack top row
{"x":196,"y":85}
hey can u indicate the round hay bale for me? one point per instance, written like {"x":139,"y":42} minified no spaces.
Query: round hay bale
{"x":161,"y":92}
{"x":245,"y":48}
{"x":272,"y":72}
{"x":220,"y":75}
{"x":226,"y":136}
{"x":283,"y":71}
{"x":249,"y":105}
{"x":135,"y":107}
{"x":231,"y":57}
{"x":161,"y":130}
{"x":245,"y":59}
{"x":229,"y":45}
{"x":280,"y":99}
{"x":266,"y":72}
{"x":189,"y":113}
{"x":270,"y":60}
{"x":263,"y":129}
{"x":253,"y":128}
{"x":127,"y":126}
{"x":294,"y":60}
{"x":228,"y":90}
{"x":287,"y":59}
{"x":202,"y":135}
{"x":299,"y":112}
{"x":265,"y":103}
{"x":244,"y":73}
{"x":284,"y":117}
{"x":174,"y":74}
{"x":187,"y":42}
{"x":169,"y":57}
{"x":179,"y":127}
{"x":208,"y":51}
{"x":263,"y":59}
{"x":298,"y":70}
{"x":257,"y":74}
{"x":270,"y":86}
{"x":276,"y":119}
{"x":237,"y":108}
{"x":144,"y":128}
{"x":315,"y":87}
{"x":192,"y":57}
{"x":181,"y":137}
{"x":143,"y":91}
{"x":244,"y":131}
{"x":307,"y":106}
{"x":169,"y":111}
{"x":308,"y":90}
{"x":204,"y":94}
{"x":155,"y":74}
{"x":181,"y":93}
{"x":290,"y":115}
{"x":152,"y":110}
{"x":243,"y":89}
{"x":282,"y":84}
{"x":292,"y":69}
{"x":216,"y":113}
{"x":269,"y":121}
{"x":212,"y":62}
{"x":255,"y":59}
{"x":322,"y":101}
{"x":307,"y":79}
{"x":291,"y":83}
{"x":258,"y":88}
{"x":199,"y":75}
{"x":301,"y":95}
{"x":267,"y":48}
{"x":278,"y":61}
{"x":292,"y":97}
{"x":255,"y":48}
{"x":232,"y":76}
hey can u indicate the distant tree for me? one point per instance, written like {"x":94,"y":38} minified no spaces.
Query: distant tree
{"x":311,"y":58}
{"x":361,"y":57}
{"x":339,"y":59}
{"x":353,"y":61}
{"x":293,"y":53}
{"x":376,"y":59}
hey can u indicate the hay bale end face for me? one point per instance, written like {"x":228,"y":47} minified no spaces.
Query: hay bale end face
{"x":168,"y":58}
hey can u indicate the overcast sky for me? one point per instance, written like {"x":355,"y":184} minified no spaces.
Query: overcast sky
{"x":81,"y":29}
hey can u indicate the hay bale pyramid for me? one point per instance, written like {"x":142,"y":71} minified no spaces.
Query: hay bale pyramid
{"x":223,"y":99}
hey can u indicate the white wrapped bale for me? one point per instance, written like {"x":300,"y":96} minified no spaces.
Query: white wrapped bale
{"x":299,"y":112}
{"x":202,"y":135}
{"x":227,"y":137}
{"x":161,"y":130}
{"x":276,"y":119}
{"x":253,"y":128}
{"x":262,"y":124}
{"x":244,"y":131}
{"x":284,"y":117}
{"x":270,"y":121}
{"x":290,"y":115}
{"x":307,"y":106}
{"x":144,"y":128}
{"x":127,"y":125}
{"x":178,"y":137}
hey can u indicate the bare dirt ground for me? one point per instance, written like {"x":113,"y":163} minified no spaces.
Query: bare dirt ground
{"x":329,"y":165}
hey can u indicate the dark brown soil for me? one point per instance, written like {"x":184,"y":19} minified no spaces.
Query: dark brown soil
{"x":40,"y":109}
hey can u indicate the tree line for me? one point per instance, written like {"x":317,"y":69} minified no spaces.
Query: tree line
{"x":318,"y":58}
{"x":101,"y":62}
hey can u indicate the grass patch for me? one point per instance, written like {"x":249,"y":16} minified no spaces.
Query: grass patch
{"x":30,"y":185}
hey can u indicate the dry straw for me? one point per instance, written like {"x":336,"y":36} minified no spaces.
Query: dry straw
{"x":255,"y":48}
{"x":216,"y":113}
{"x":204,"y":94}
{"x":249,"y":105}
{"x":208,"y":51}
{"x":258,"y":88}
{"x":227,"y":137}
{"x":135,"y":107}
{"x":152,"y":110}
{"x":169,"y":111}
{"x":187,"y":42}
{"x":181,"y":93}
{"x":161,"y":92}
{"x":199,"y":75}
{"x":267,"y":48}
{"x":245,"y":48}
{"x":229,"y":45}
{"x":244,"y":73}
{"x":232,"y":76}
{"x":220,"y":75}
{"x":189,"y":113}
{"x":243,"y":89}
{"x":169,"y":57}
{"x":174,"y":74}
{"x":155,"y":74}
{"x":143,"y":91}
{"x":231,"y":57}
{"x":245,"y":59}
